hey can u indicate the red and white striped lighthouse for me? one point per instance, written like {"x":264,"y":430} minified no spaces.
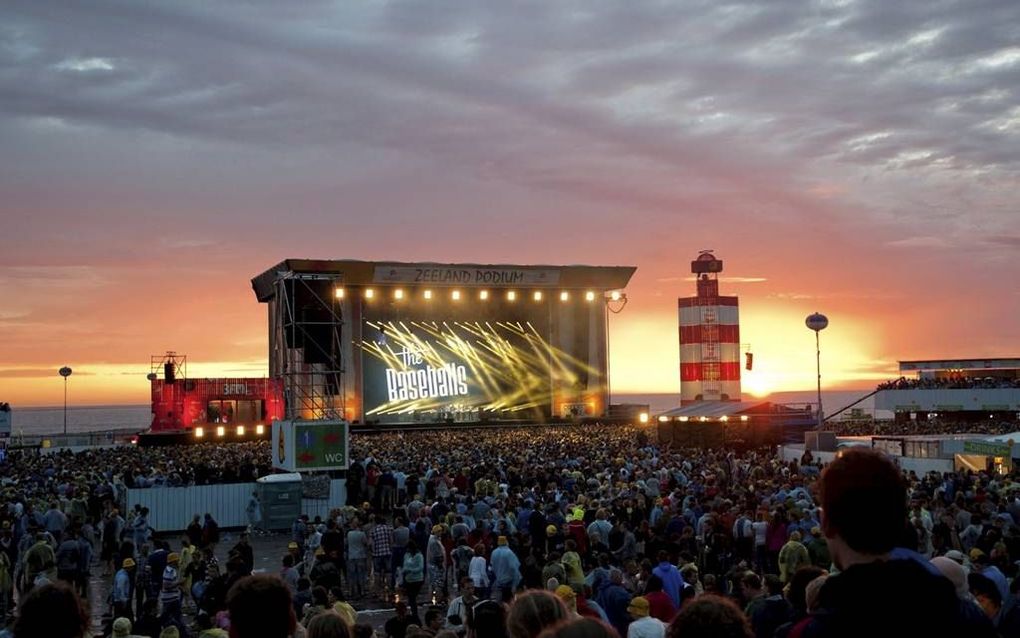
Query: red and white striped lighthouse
{"x":709,"y":338}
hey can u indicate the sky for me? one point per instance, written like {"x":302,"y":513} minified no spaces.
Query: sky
{"x":856,"y":158}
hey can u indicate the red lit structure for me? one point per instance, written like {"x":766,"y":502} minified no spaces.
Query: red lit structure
{"x":180,"y":404}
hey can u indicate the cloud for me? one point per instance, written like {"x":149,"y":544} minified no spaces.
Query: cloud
{"x":85,"y":64}
{"x":925,"y":241}
{"x":1009,"y":241}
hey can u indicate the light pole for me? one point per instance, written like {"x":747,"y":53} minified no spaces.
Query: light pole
{"x":818,"y":322}
{"x":65,"y":372}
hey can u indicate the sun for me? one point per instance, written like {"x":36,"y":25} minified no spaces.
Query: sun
{"x":757,"y":384}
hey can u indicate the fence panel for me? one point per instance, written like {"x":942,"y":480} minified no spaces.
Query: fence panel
{"x":171,"y":508}
{"x":320,"y":507}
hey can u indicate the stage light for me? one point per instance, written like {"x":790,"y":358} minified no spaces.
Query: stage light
{"x":199,"y":433}
{"x":427,"y":294}
{"x":221,"y":431}
{"x":369,"y":293}
{"x":240,"y":430}
{"x":615,"y":295}
{"x":398,"y":293}
{"x":455,"y":295}
{"x":564,"y":296}
{"x":483,"y":295}
{"x":744,"y":418}
{"x":684,"y":419}
{"x":538,"y":295}
{"x":511,"y":295}
{"x":703,"y":419}
{"x":643,"y":417}
{"x":339,"y":293}
{"x":589,"y":296}
{"x":663,"y":419}
{"x":260,"y":429}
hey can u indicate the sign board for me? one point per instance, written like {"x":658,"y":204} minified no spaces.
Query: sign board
{"x":470,"y":276}
{"x":310,"y":446}
{"x":987,"y":449}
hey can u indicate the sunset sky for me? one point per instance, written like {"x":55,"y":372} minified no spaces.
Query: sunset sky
{"x":855,"y":158}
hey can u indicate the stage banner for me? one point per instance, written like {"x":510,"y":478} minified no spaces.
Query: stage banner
{"x":467,"y":276}
{"x":310,"y":446}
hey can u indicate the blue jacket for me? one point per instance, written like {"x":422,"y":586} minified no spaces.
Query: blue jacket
{"x":672,"y":580}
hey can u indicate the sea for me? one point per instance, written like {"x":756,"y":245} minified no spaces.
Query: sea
{"x":50,"y":420}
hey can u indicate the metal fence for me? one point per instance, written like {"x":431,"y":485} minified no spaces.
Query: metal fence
{"x":171,"y":508}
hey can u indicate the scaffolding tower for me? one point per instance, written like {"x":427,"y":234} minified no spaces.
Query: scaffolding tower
{"x":307,"y":346}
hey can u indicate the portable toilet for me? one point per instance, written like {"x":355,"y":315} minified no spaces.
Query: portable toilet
{"x":280,"y":495}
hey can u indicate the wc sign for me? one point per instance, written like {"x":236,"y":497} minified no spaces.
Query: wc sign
{"x":307,"y":446}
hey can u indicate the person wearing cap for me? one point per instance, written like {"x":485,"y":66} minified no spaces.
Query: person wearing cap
{"x":506,"y":569}
{"x":643,"y":625}
{"x":567,"y":594}
{"x":435,"y":559}
{"x":818,"y":549}
{"x":170,"y":591}
{"x":983,"y":565}
{"x":123,"y":585}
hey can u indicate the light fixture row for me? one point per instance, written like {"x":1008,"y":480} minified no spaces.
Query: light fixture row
{"x":221,"y":431}
{"x":703,"y":419}
{"x":400,"y":294}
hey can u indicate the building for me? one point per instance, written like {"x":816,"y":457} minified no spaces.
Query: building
{"x":709,"y":338}
{"x":956,"y":389}
{"x":229,"y":407}
{"x":392,"y":342}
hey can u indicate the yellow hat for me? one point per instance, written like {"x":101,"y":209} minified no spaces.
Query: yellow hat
{"x":976,"y":553}
{"x":346,"y":612}
{"x":174,"y":557}
{"x":320,"y":552}
{"x":292,"y":545}
{"x":565,"y":593}
{"x":502,"y":541}
{"x":128,"y":562}
{"x":437,"y":530}
{"x":551,"y":530}
{"x":639,"y":606}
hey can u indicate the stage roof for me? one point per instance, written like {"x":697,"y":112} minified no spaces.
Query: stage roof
{"x":716,"y":409}
{"x":362,"y":273}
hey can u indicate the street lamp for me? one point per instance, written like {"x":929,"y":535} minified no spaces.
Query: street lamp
{"x":818,"y":322}
{"x":65,"y":372}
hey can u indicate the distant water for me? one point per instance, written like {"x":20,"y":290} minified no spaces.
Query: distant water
{"x":831,"y":400}
{"x":50,"y":420}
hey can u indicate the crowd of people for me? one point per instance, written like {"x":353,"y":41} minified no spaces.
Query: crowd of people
{"x":557,"y":531}
{"x":955,"y":382}
{"x":989,"y":427}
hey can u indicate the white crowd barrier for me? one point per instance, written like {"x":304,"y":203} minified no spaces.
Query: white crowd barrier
{"x":171,"y":508}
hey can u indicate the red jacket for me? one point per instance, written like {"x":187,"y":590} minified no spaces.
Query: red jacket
{"x":661,"y":606}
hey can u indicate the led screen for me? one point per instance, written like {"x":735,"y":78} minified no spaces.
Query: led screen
{"x":461,"y":362}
